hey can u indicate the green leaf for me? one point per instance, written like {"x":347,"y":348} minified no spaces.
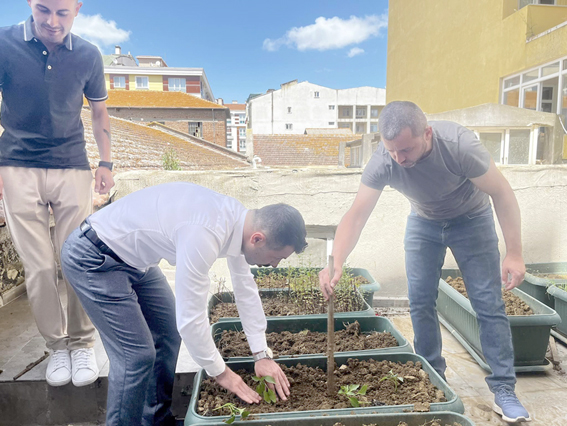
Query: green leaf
{"x":363,"y":389}
{"x":256,"y":378}
{"x":245,"y":414}
{"x":272,"y":395}
{"x":354,"y":387}
{"x":270,"y":379}
{"x":261,"y":388}
{"x":354,"y":402}
{"x":267,"y":397}
{"x":230,"y":420}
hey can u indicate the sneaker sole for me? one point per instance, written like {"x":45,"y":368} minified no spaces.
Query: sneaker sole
{"x":59,"y":383}
{"x":498,"y":410}
{"x":85,"y":382}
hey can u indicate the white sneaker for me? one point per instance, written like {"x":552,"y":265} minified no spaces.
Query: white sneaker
{"x":59,"y":368}
{"x":85,"y":370}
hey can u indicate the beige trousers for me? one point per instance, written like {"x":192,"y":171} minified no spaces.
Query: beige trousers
{"x":28,"y":194}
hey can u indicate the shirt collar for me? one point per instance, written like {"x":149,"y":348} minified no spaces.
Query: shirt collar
{"x":28,"y":34}
{"x":235,"y":245}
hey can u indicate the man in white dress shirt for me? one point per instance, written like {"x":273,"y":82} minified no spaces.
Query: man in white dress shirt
{"x":111,"y":262}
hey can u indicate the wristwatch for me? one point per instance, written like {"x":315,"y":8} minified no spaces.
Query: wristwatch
{"x":267,"y":353}
{"x":107,"y":164}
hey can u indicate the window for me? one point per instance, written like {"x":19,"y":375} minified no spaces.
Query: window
{"x":373,"y":127}
{"x":530,"y":97}
{"x":229,"y":144}
{"x":195,"y":129}
{"x":316,"y":94}
{"x":289,"y":110}
{"x":331,"y":123}
{"x":242,"y":133}
{"x":360,"y":112}
{"x":142,"y":83}
{"x":331,"y":107}
{"x":524,"y":3}
{"x":289,"y":126}
{"x":242,"y":145}
{"x":493,"y":143}
{"x":228,"y":121}
{"x":360,"y":128}
{"x":229,"y":131}
{"x":242,"y":118}
{"x":120,"y":82}
{"x":519,"y":148}
{"x":374,"y":112}
{"x":177,"y":85}
{"x":345,"y":111}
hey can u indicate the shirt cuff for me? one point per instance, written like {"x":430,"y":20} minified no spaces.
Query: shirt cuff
{"x":257,"y":342}
{"x":216,"y":367}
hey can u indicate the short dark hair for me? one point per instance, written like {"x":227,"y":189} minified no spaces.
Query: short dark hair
{"x":283,"y":226}
{"x":398,"y":115}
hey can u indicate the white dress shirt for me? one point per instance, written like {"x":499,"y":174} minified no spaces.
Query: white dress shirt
{"x":189,"y":226}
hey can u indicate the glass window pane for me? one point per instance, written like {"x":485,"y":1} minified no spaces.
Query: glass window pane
{"x":512,"y":98}
{"x":514,"y":81}
{"x":493,"y":143}
{"x":519,"y":149}
{"x":531,"y":75}
{"x":550,"y":69}
{"x":565,"y":65}
{"x":530,"y":97}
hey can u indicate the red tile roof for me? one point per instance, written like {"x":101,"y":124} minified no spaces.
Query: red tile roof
{"x":156,"y":99}
{"x":300,"y":150}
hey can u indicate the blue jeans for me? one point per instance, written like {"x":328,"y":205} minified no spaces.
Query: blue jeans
{"x":134,"y":312}
{"x":473,"y":241}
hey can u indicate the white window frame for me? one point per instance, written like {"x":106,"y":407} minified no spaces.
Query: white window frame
{"x":561,"y":75}
{"x":138,"y":87}
{"x":242,"y":145}
{"x":289,"y":126}
{"x":505,"y":144}
{"x":229,"y":144}
{"x":121,"y":78}
{"x":331,"y":107}
{"x":316,"y":95}
{"x":179,"y":84}
{"x":242,"y":133}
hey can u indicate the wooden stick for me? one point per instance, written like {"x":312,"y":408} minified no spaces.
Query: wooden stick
{"x":32,"y":365}
{"x":331,"y":336}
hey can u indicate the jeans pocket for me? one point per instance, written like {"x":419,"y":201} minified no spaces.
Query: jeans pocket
{"x":481,"y":213}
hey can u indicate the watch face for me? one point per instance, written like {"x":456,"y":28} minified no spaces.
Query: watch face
{"x":270,"y":353}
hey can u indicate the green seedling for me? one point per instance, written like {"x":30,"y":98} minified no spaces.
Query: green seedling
{"x":268,"y":394}
{"x":234,"y":411}
{"x":394,"y":378}
{"x":352,"y":392}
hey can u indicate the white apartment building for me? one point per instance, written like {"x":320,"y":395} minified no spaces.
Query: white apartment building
{"x":297,"y":106}
{"x":235,"y":126}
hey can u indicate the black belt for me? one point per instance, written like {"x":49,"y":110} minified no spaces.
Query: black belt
{"x":92,"y":236}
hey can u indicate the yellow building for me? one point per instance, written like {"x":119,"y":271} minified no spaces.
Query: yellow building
{"x":447,"y":55}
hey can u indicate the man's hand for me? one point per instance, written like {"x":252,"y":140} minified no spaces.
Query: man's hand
{"x":268,"y":367}
{"x":234,"y":383}
{"x":103,"y":180}
{"x":327,"y":286}
{"x":513,"y":271}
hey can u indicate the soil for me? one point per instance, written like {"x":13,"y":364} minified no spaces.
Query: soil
{"x":234,"y":344}
{"x":433,"y":422}
{"x":309,"y":388}
{"x":551,"y":276}
{"x":290,"y":302}
{"x":514,"y":305}
{"x":294,"y":278}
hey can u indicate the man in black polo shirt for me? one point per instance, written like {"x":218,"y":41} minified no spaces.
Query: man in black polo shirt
{"x":44,"y":73}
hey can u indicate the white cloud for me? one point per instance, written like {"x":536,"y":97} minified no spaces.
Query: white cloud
{"x":332,"y":33}
{"x":355,"y":51}
{"x":99,"y":31}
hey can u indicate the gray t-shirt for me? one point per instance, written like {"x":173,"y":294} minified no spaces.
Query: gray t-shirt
{"x":438,"y":186}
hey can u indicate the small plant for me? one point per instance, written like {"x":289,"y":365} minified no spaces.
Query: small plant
{"x":170,"y":161}
{"x":352,"y":392}
{"x":268,"y":394}
{"x":394,"y":378}
{"x":234,"y":411}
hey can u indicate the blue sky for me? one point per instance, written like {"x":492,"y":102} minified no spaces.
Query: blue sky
{"x":244,"y":46}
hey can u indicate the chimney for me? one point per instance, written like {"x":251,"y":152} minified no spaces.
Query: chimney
{"x":220,"y":101}
{"x":234,"y":102}
{"x":117,"y":50}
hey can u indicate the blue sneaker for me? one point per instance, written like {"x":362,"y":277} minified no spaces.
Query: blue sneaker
{"x":506,"y":404}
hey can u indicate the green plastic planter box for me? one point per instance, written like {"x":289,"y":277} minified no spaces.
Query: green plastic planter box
{"x":367,"y":290}
{"x":537,"y":286}
{"x":228,"y":296}
{"x":530,"y":333}
{"x":412,"y":419}
{"x":453,"y":403}
{"x":295,"y":325}
{"x":560,"y":301}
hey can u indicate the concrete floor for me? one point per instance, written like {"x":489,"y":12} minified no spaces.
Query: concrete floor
{"x":542,"y":393}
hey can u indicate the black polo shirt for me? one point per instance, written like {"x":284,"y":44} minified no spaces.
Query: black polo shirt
{"x":42,"y":95}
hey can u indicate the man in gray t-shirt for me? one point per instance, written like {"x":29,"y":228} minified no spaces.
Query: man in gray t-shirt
{"x":448,"y":176}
